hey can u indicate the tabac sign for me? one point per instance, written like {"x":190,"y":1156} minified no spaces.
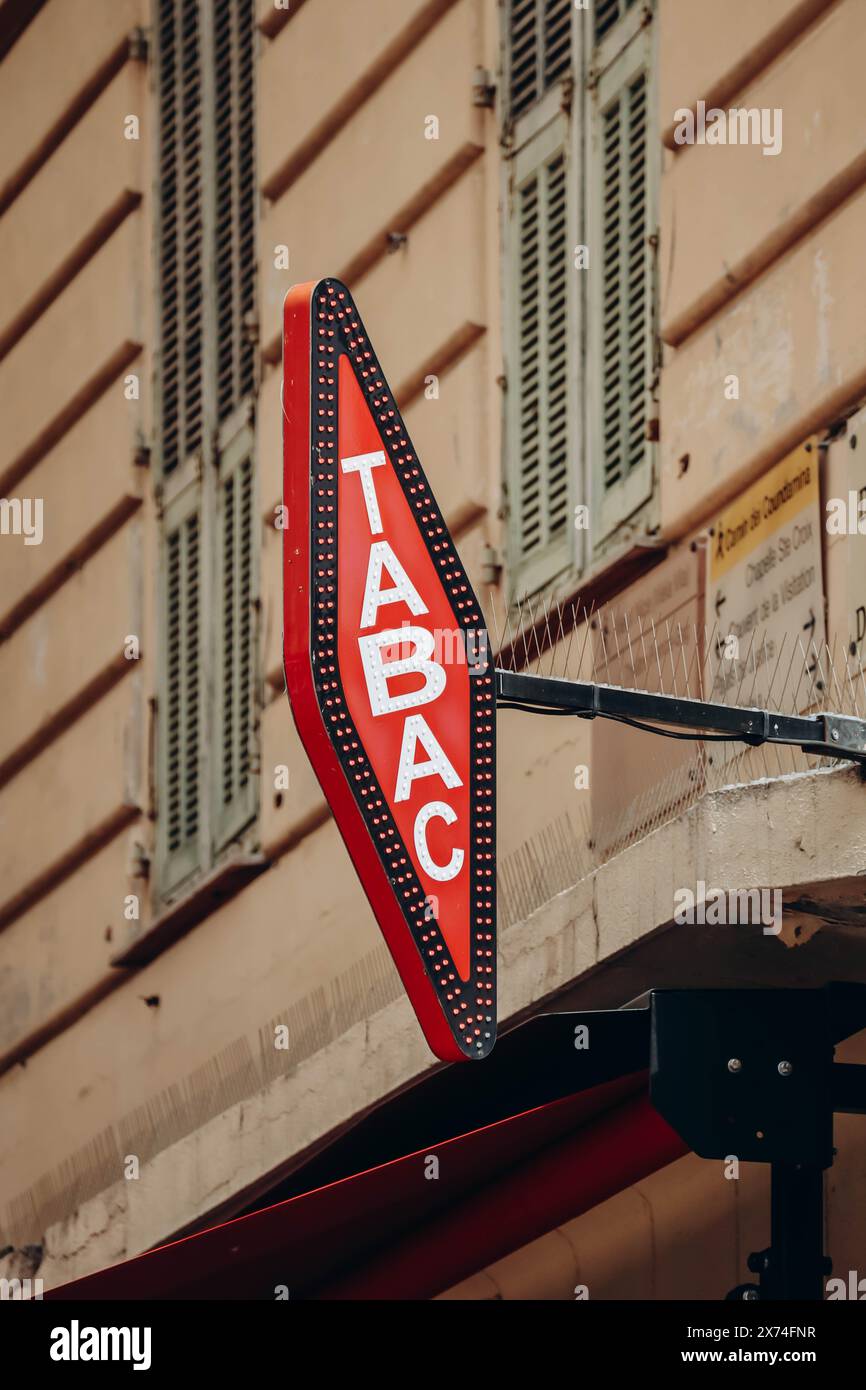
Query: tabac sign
{"x":388,"y":670}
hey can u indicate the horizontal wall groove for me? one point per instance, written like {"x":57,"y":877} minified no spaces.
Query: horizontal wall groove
{"x":50,"y":289}
{"x":71,"y":412}
{"x":800,"y":19}
{"x":66,"y":567}
{"x":63,"y":718}
{"x":736,"y":279}
{"x":461,"y":341}
{"x":68,"y":119}
{"x":61,"y":1021}
{"x":83,"y":849}
{"x":273,"y":21}
{"x":308,"y":825}
{"x":352,"y":99}
{"x":820,"y":417}
{"x":402,"y":221}
{"x":15,"y":15}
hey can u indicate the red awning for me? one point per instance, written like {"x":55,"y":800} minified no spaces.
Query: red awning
{"x":391,"y":1232}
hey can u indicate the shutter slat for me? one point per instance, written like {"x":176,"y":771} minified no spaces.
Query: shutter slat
{"x":237,"y":635}
{"x":228,"y":732}
{"x":557,"y":40}
{"x":539,"y":49}
{"x":625,"y":306}
{"x":557,"y":348}
{"x":213,"y":40}
{"x":181,"y":246}
{"x":528,"y":229}
{"x":543,"y":357}
{"x":245,"y":624}
{"x":191,"y":674}
{"x":606,"y":15}
{"x":182,"y":684}
{"x":234,"y":34}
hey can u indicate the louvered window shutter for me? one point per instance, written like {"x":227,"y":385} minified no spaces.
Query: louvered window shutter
{"x":206,"y":790}
{"x":236,"y":789}
{"x":181,"y":318}
{"x":181,"y":706}
{"x":620,"y":349}
{"x":234,"y":64}
{"x":541,"y":374}
{"x":539,"y":49}
{"x":234,"y":785}
{"x":605,"y":15}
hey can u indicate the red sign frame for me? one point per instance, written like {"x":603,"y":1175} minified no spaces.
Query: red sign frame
{"x":359,"y":507}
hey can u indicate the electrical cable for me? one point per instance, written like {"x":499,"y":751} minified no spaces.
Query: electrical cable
{"x":632,"y":723}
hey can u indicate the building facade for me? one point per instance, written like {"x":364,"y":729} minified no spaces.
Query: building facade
{"x":618,"y":320}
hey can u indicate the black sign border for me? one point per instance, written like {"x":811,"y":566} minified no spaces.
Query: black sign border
{"x":336,"y":330}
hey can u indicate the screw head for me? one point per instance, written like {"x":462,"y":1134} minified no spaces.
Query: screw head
{"x":835,"y":735}
{"x":735,"y":1064}
{"x":785,"y":1068}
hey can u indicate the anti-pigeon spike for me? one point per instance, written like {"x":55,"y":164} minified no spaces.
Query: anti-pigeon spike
{"x":800,"y":701}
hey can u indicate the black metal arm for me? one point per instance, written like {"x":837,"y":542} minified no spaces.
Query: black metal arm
{"x":824,"y":735}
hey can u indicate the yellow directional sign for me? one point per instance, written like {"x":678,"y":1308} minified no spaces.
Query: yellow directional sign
{"x":765,"y":592}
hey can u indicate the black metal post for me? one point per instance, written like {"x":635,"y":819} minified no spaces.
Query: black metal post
{"x":794,"y":1266}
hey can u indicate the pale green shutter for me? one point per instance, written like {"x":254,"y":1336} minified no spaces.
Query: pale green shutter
{"x":236,"y":791}
{"x":605,"y":14}
{"x":234,"y":136}
{"x":620,"y":348}
{"x":541,"y":377}
{"x":180,"y":233}
{"x":206,"y":712}
{"x":180,"y":706}
{"x":540,"y":295}
{"x":539,"y":49}
{"x":180,"y":426}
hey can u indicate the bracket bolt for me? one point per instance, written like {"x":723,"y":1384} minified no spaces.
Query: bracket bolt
{"x":834,"y":734}
{"x":785,"y":1068}
{"x":735,"y":1064}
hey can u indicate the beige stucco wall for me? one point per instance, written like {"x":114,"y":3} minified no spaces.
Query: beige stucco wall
{"x":761,"y":275}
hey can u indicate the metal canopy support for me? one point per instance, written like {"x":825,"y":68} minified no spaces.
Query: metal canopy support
{"x":824,"y":735}
{"x":750,"y":1073}
{"x":794,"y":1266}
